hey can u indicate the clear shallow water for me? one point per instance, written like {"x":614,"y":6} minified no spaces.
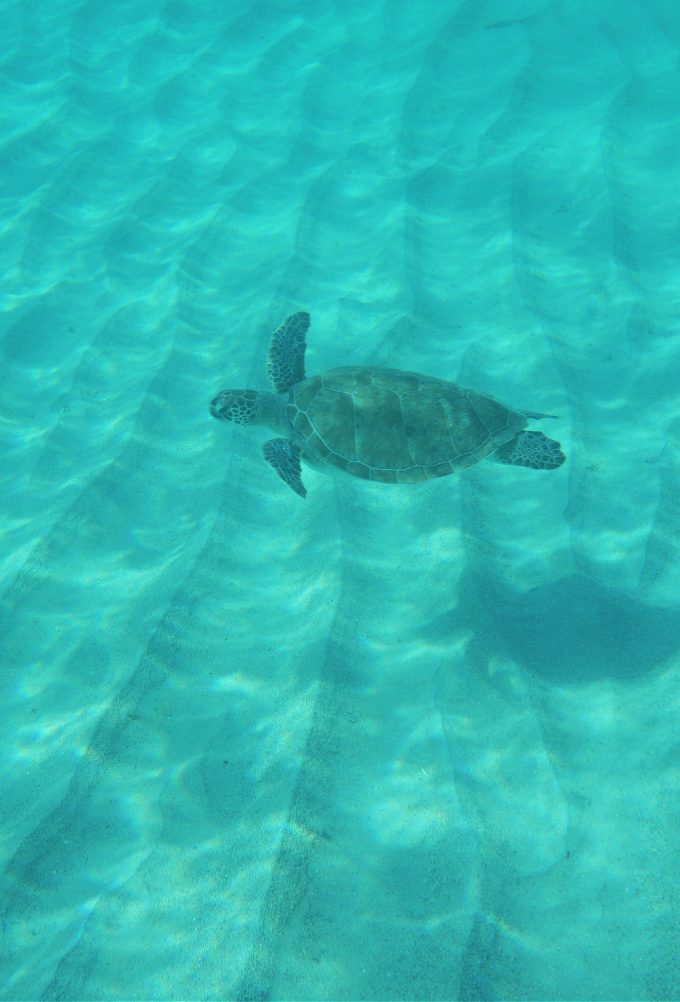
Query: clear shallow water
{"x":385,"y":743}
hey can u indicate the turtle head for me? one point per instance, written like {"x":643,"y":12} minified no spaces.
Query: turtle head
{"x":241,"y":406}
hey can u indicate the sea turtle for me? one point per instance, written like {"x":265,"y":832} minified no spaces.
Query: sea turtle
{"x":378,"y":424}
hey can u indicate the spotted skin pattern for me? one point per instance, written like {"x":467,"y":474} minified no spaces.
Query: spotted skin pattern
{"x":239,"y":406}
{"x":286,"y":356}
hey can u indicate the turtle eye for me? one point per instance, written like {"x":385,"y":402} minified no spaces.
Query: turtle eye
{"x":239,"y":406}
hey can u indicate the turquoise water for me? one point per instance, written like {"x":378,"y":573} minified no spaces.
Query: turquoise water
{"x":413,"y":742}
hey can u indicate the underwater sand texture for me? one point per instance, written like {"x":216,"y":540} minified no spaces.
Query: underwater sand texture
{"x":380,"y":743}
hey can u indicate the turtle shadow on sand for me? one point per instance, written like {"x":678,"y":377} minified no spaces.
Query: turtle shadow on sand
{"x":569,"y":630}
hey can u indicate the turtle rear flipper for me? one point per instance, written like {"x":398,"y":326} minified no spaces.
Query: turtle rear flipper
{"x":284,"y":456}
{"x":530,"y":448}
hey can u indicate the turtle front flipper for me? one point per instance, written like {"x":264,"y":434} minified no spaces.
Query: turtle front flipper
{"x":286,"y":358}
{"x":285,"y":458}
{"x":531,"y":448}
